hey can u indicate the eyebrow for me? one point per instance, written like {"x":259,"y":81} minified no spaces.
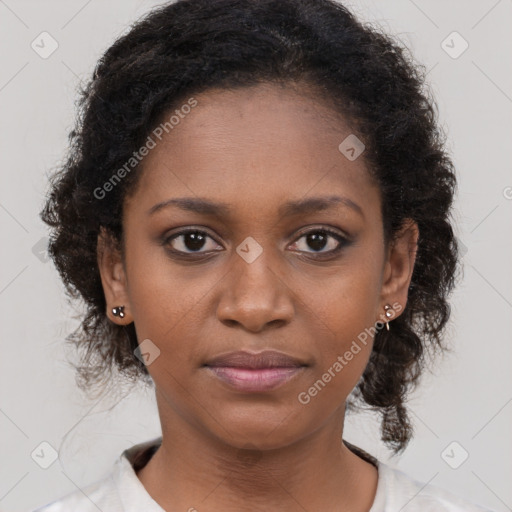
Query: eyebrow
{"x":289,"y":209}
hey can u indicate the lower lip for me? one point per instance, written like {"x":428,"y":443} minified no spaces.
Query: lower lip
{"x":263,"y":379}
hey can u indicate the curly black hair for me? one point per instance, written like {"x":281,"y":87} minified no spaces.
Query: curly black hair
{"x":184,"y":48}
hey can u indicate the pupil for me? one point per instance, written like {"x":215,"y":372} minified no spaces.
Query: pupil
{"x":317,"y":241}
{"x":196,"y":241}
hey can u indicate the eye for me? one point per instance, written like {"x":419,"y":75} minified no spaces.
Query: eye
{"x":190,"y":240}
{"x":319,"y":239}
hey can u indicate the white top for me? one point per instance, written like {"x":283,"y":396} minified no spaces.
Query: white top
{"x":122,"y":491}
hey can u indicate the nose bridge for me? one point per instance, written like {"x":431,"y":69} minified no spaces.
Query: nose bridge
{"x":254,"y":266}
{"x":255,"y":293}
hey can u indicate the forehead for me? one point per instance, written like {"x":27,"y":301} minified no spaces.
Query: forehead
{"x":253,"y":146}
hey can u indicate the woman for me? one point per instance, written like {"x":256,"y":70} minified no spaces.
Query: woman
{"x":255,"y":209}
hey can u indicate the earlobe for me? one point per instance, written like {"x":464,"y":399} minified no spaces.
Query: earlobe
{"x":113,"y":278}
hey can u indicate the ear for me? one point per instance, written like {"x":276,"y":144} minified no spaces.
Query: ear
{"x":113,"y":277}
{"x":398,"y":268}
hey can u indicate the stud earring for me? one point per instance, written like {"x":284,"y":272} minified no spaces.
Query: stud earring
{"x":118,"y":311}
{"x":388,"y":314}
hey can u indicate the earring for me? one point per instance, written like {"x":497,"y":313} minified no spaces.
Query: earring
{"x":118,"y":311}
{"x":388,"y":314}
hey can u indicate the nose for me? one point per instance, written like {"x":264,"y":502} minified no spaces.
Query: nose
{"x":255,"y":296}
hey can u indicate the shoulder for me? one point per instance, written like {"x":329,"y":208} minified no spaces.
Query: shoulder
{"x":120,"y":490}
{"x":398,"y":491}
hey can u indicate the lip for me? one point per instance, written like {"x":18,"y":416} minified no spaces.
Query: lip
{"x":255,"y":372}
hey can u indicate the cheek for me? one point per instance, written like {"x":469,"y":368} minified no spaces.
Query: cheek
{"x":345,"y":310}
{"x":347,"y":303}
{"x":156,"y":299}
{"x":168,"y":304}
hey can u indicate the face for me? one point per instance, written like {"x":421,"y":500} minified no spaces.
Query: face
{"x":250,"y":231}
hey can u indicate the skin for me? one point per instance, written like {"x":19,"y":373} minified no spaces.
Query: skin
{"x":255,"y":149}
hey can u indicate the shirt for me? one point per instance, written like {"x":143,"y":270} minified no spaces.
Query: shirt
{"x":122,"y":491}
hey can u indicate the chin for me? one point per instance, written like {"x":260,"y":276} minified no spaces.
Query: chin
{"x":259,"y":428}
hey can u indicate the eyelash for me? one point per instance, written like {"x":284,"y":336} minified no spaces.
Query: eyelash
{"x":343,"y":242}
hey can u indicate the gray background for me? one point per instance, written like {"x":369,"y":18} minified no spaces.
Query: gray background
{"x":467,"y":398}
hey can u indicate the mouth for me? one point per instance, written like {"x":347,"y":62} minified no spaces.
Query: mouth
{"x":255,"y":372}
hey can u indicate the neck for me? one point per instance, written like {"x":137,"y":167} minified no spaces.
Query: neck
{"x":193,"y":470}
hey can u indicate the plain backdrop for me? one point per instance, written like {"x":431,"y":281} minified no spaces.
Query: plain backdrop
{"x":466,"y":400}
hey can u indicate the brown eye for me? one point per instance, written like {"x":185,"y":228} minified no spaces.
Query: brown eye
{"x":320,"y":239}
{"x":190,"y":241}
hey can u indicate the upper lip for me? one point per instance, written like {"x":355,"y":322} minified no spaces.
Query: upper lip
{"x":255,"y":360}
